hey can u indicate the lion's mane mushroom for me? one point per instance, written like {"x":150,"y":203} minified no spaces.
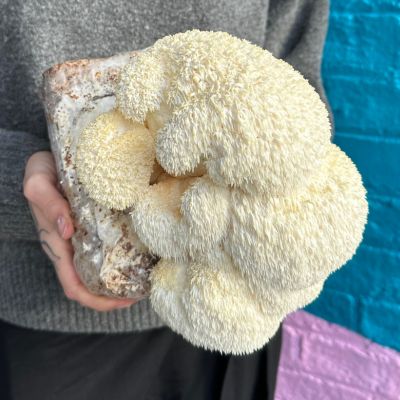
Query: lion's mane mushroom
{"x":253,"y":206}
{"x":274,"y":252}
{"x":211,"y":96}
{"x":114,"y":160}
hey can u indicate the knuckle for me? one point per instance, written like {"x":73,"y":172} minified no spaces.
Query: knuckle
{"x":34,"y":184}
{"x":30,"y":186}
{"x":70,"y":293}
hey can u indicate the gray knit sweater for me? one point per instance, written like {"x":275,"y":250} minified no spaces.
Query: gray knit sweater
{"x":34,"y":35}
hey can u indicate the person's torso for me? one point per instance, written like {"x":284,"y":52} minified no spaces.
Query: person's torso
{"x":35,"y":34}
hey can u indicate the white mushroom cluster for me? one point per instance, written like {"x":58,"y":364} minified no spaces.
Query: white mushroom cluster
{"x":222,"y":154}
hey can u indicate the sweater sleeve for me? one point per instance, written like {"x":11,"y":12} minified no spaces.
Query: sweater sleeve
{"x":296,"y":32}
{"x":16,"y":219}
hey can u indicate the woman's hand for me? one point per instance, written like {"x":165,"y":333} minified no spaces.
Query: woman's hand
{"x":51,"y":213}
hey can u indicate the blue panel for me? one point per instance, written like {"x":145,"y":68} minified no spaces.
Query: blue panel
{"x":361,"y":73}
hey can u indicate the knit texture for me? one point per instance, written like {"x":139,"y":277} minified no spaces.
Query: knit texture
{"x":37,"y":34}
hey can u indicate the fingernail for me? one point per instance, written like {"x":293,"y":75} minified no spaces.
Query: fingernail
{"x":61,"y":225}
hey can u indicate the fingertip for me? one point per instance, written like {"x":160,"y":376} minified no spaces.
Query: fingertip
{"x":103,"y":303}
{"x":125,"y":305}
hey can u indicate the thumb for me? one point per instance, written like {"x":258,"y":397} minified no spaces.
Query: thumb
{"x":42,"y":192}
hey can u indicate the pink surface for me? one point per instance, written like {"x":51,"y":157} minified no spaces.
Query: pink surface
{"x":324,"y":361}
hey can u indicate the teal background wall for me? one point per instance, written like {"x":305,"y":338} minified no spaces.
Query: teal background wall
{"x":361,"y":74}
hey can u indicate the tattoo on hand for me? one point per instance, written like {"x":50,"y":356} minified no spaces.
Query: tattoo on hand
{"x":53,"y":256}
{"x":46,"y":246}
